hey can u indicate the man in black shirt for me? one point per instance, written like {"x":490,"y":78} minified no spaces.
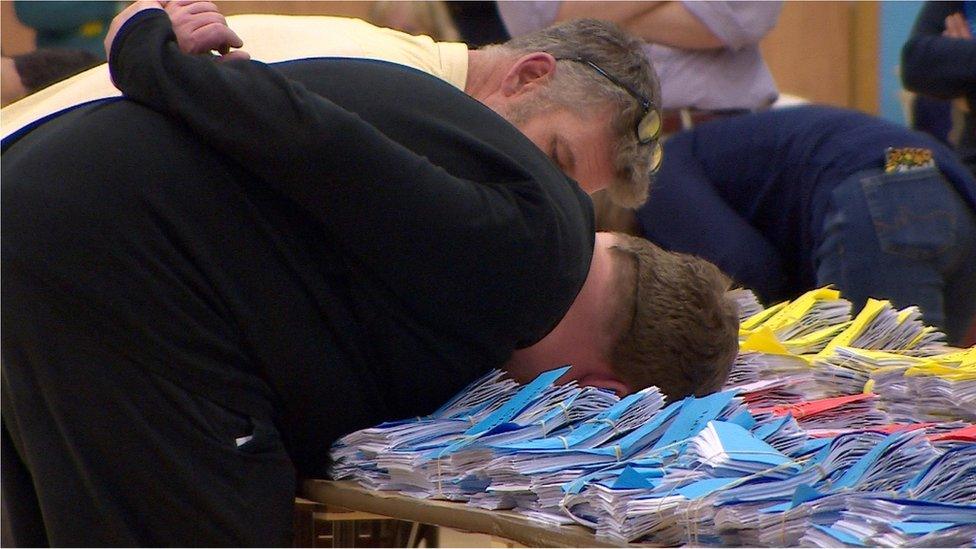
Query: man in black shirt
{"x":194,"y":309}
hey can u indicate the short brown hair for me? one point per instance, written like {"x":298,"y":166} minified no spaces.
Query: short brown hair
{"x":680,"y":329}
{"x":576,"y":86}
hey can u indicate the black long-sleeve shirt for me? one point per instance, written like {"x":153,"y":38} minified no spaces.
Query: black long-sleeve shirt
{"x":943,"y":67}
{"x":354,"y":253}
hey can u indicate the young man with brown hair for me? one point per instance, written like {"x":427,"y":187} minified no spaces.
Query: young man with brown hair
{"x":683,"y":336}
{"x":645,"y":316}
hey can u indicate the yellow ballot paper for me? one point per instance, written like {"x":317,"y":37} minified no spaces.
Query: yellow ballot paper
{"x":814,"y":342}
{"x":798,"y":308}
{"x":755,"y":320}
{"x":856,"y":328}
{"x":763,"y":340}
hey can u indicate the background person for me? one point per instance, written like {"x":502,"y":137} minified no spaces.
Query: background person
{"x":705,"y":53}
{"x":68,"y":25}
{"x":939,"y":59}
{"x":791,"y":199}
{"x":427,"y":17}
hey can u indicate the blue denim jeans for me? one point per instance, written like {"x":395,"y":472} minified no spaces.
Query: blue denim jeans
{"x":907,"y":237}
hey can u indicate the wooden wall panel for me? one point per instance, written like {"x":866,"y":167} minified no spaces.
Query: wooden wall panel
{"x":809,"y":52}
{"x":826,"y":52}
{"x":866,"y":71}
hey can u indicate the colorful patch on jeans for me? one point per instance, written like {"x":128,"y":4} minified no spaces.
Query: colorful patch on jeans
{"x":906,"y":159}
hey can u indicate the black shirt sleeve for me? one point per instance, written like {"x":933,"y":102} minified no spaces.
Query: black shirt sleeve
{"x":936,"y":65}
{"x":498,"y":253}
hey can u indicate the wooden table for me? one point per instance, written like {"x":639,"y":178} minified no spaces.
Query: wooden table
{"x":503,"y":524}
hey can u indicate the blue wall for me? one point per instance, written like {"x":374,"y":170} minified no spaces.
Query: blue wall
{"x":896,"y":20}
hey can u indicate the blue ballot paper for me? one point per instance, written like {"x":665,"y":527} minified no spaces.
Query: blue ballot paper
{"x":745,"y":419}
{"x":477,"y":394}
{"x":741,"y":445}
{"x":705,"y":487}
{"x":842,"y":537}
{"x":630,"y":478}
{"x":648,"y":469}
{"x":645,"y":434}
{"x":814,"y":445}
{"x":914,"y":510}
{"x":764,"y":431}
{"x":695,"y":413}
{"x":602,"y":422}
{"x":517,"y":403}
{"x":921,"y":528}
{"x":949,"y":478}
{"x":856,"y":471}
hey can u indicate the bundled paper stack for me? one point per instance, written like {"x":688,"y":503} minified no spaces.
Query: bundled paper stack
{"x":938,"y":388}
{"x":873,"y":521}
{"x":852,"y":411}
{"x":830,"y":432}
{"x":746,"y":302}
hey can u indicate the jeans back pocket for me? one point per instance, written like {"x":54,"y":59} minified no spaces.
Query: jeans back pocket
{"x":913,"y":213}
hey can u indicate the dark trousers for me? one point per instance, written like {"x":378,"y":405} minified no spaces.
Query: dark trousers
{"x":907,"y":237}
{"x":96,"y":453}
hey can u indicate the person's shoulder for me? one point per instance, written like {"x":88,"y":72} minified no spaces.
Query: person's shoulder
{"x":277,"y":38}
{"x":378,"y":76}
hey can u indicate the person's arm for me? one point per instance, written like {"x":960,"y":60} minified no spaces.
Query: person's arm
{"x":934,"y":64}
{"x":299,"y":142}
{"x":693,"y":25}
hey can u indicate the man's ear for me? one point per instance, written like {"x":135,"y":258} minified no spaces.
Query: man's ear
{"x":606,"y":381}
{"x":528,"y":72}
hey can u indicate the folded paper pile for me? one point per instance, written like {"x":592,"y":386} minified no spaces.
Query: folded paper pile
{"x":833,"y":430}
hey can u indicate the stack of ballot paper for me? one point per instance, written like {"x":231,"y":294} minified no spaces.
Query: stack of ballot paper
{"x":847,"y":370}
{"x":781,"y":432}
{"x":949,"y":478}
{"x":804,"y":325}
{"x":960,"y":437}
{"x":354,"y":456}
{"x":746,"y":302}
{"x":880,"y":327}
{"x":830,"y":432}
{"x":772,"y":392}
{"x":516,"y":463}
{"x":852,"y":411}
{"x":426,"y":469}
{"x":878,"y":520}
{"x":783,"y":524}
{"x":885,"y":466}
{"x":752,"y":366}
{"x":936,"y":388}
{"x":726,"y":450}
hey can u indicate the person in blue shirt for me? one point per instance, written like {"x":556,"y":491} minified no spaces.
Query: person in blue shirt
{"x":790,"y":199}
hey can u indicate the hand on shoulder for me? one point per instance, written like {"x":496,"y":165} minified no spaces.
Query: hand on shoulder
{"x":198,"y":25}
